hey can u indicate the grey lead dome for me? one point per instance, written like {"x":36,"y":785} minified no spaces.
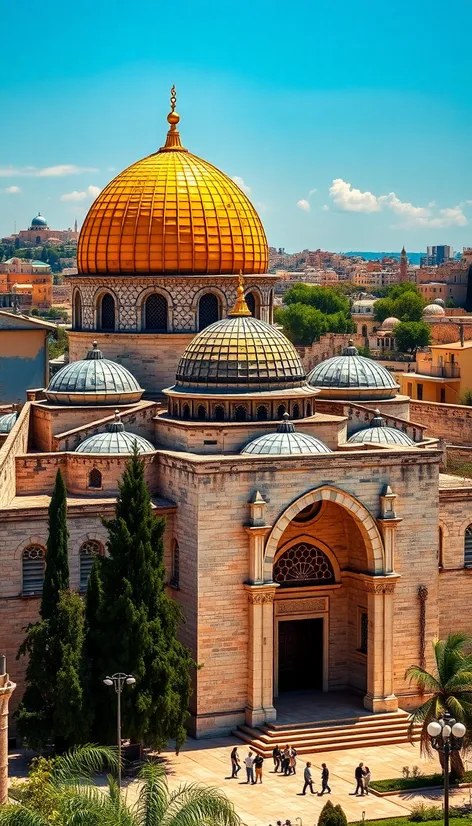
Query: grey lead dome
{"x":352,"y":376}
{"x":285,"y":442}
{"x":7,"y":421}
{"x":115,"y":440}
{"x":93,"y":380}
{"x":378,"y":433}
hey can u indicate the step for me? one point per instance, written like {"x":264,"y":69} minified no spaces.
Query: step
{"x":369,"y":720}
{"x":317,"y":746}
{"x":347,"y":737}
{"x":356,"y":727}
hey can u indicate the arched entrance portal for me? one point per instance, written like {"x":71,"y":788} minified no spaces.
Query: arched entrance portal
{"x":321,"y":599}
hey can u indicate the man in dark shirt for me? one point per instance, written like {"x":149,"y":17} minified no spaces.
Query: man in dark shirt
{"x":276,"y":756}
{"x":359,"y":775}
{"x":324,"y":779}
{"x":258,"y":766}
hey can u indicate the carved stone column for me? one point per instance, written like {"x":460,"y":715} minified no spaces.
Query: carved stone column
{"x":257,"y":531}
{"x":260,"y":699}
{"x":6,"y":690}
{"x":380,"y":695}
{"x":388,"y":523}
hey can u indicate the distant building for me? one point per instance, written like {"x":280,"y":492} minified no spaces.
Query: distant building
{"x":23,"y":355}
{"x":30,"y":280}
{"x":403,"y":266}
{"x":39,"y":233}
{"x":437,"y":255}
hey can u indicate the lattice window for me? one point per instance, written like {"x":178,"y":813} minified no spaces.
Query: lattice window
{"x":303,"y":564}
{"x":208,"y":310}
{"x":262,"y":413}
{"x":175,"y":578}
{"x":88,"y":551}
{"x":77,"y":311}
{"x":363,"y":631}
{"x":107,"y":312}
{"x":95,"y":478}
{"x":468,"y":547}
{"x":219,"y":413}
{"x":155,"y":313}
{"x":33,"y":569}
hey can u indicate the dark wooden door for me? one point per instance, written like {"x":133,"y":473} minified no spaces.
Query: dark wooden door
{"x":300,"y":655}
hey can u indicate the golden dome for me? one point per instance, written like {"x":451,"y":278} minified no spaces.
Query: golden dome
{"x":172,"y":212}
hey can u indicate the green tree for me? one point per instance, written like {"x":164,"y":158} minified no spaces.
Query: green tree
{"x":17,"y":243}
{"x":450,"y":302}
{"x":449,"y":688}
{"x":132,"y":623}
{"x":408,"y":306}
{"x":302,"y":324}
{"x":326,"y":299}
{"x":56,"y":575}
{"x":466,"y":397}
{"x":396,"y":290}
{"x":409,"y":335}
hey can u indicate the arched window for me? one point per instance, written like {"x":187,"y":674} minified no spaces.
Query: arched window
{"x":303,"y":564}
{"x":186,"y":412}
{"x":251,"y":303}
{"x":280,"y":411}
{"x":240,"y":414}
{"x":219,"y":413}
{"x":296,"y":411}
{"x":175,"y":578}
{"x":88,"y":551}
{"x":33,"y":569}
{"x":262,"y":413}
{"x":107,"y":312}
{"x":201,"y":412}
{"x":77,"y":311}
{"x":208,"y":310}
{"x":364,"y":330}
{"x":175,"y":409}
{"x":468,"y":547}
{"x":155,"y":313}
{"x":95,"y":478}
{"x":308,"y":410}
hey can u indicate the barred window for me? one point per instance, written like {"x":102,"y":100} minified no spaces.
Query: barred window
{"x":175,"y":578}
{"x":77,"y":311}
{"x":88,"y":551}
{"x":155,"y":313}
{"x":34,"y":557}
{"x":363,"y":631}
{"x":468,"y":547}
{"x":303,"y":564}
{"x":95,"y":478}
{"x":208,"y":310}
{"x":107,"y":312}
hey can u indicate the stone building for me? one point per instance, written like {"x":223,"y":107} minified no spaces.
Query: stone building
{"x":303,"y":513}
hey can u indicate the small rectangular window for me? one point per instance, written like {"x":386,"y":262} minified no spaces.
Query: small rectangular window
{"x":419,"y":392}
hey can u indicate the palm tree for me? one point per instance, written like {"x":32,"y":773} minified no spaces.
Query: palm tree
{"x":449,"y":688}
{"x":65,"y":795}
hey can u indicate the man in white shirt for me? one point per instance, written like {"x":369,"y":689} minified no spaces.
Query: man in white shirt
{"x":249,"y":763}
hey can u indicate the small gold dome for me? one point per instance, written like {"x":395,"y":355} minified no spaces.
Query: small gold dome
{"x":172,"y":212}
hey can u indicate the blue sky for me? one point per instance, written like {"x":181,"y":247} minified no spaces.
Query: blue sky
{"x":350,"y":122}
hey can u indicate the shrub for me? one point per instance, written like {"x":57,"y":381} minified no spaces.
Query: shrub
{"x":421,"y":813}
{"x":332,"y":815}
{"x":405,"y":771}
{"x":415,"y":771}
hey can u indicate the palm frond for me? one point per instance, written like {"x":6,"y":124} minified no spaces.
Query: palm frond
{"x":194,"y":805}
{"x":423,"y":678}
{"x":153,"y":797}
{"x":82,"y":762}
{"x":14,"y":815}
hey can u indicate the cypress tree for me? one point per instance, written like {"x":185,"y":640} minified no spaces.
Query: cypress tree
{"x":56,"y":575}
{"x":132,"y":624}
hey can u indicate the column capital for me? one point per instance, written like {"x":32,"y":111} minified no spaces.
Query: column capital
{"x":259,"y":594}
{"x":389,"y":521}
{"x":258,"y":530}
{"x":381,"y":584}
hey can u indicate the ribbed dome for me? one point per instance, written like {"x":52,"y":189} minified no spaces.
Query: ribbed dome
{"x":7,"y":421}
{"x":440,"y":302}
{"x":434,"y":309}
{"x":39,"y":221}
{"x":172,"y":212}
{"x":378,"y":433}
{"x":93,"y":380}
{"x":389,"y":323}
{"x":285,"y":442}
{"x":115,"y":440}
{"x":240,"y":352}
{"x":352,"y":376}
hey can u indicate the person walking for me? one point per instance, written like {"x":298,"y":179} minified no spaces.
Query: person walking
{"x":293,"y":761}
{"x":277,"y":758}
{"x":308,"y":778}
{"x":324,"y":780}
{"x":286,"y":760}
{"x":249,"y":763}
{"x":367,"y":778}
{"x":258,"y":761}
{"x":235,"y":762}
{"x":359,"y":775}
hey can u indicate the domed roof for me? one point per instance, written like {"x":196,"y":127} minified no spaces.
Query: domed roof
{"x":389,"y":323}
{"x":434,"y":309}
{"x":440,"y":302}
{"x":7,"y":421}
{"x":285,"y":442}
{"x":39,"y":221}
{"x":378,"y":433}
{"x":93,"y":380}
{"x":115,"y":440}
{"x":240,"y":352}
{"x":172,"y":212}
{"x":352,"y":376}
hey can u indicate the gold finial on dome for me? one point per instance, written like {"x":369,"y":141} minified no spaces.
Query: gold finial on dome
{"x":240,"y":306}
{"x":173,"y":137}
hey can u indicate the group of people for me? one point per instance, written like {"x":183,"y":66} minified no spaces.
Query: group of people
{"x":362,"y":775}
{"x":285,"y":759}
{"x":253,"y":763}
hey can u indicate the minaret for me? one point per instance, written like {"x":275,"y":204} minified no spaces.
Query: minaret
{"x":403,"y":266}
{"x":75,"y":225}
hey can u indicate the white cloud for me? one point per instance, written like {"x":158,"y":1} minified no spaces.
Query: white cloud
{"x":304,"y":205}
{"x":111,"y":168}
{"x":240,"y":182}
{"x":350,"y":199}
{"x":325,"y":208}
{"x":58,"y":171}
{"x":312,"y":192}
{"x":12,"y":190}
{"x":90,"y":192}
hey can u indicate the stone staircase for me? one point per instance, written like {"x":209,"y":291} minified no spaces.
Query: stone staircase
{"x":331,"y":735}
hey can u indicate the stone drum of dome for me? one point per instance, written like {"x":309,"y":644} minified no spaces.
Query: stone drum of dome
{"x":93,"y":380}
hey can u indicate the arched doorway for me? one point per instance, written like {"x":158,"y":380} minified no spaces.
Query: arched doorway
{"x":208,"y":310}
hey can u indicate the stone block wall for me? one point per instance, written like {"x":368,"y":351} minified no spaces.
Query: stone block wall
{"x":35,"y":473}
{"x":451,"y":422}
{"x":16,"y":442}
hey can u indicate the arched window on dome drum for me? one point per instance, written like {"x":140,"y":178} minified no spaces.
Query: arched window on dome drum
{"x":296,"y":411}
{"x":175,"y":409}
{"x":208,"y":310}
{"x":186,"y":411}
{"x":155,"y":313}
{"x":468,"y":547}
{"x":303,"y":564}
{"x":77,"y":311}
{"x":240,"y":413}
{"x":107,"y":312}
{"x":175,"y":577}
{"x":254,"y":304}
{"x":201,"y":412}
{"x":262,"y":413}
{"x":95,"y":478}
{"x":33,"y":562}
{"x":88,"y":551}
{"x":308,"y":410}
{"x":280,"y":411}
{"x":219,"y":413}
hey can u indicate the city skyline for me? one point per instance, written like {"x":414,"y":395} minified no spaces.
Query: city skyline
{"x":348,"y":128}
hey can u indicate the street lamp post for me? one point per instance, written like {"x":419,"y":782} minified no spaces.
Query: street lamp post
{"x":446,"y":737}
{"x":119,"y":680}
